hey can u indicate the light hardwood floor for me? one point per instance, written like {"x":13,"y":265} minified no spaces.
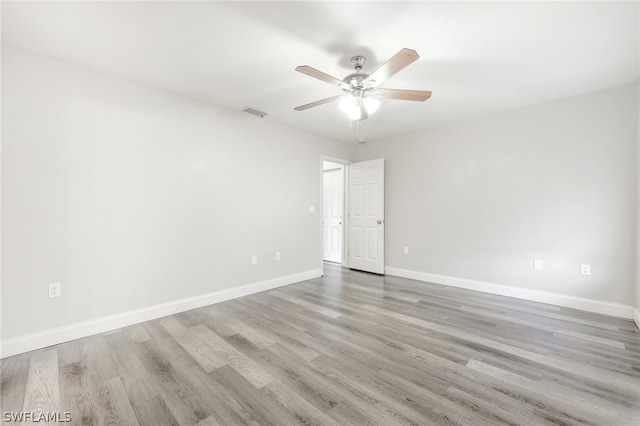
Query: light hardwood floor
{"x":348,"y":348}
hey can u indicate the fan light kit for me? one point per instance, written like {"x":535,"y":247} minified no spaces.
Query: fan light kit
{"x":362,"y":89}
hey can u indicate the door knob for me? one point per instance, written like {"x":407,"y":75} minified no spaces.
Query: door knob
{"x":380,"y":222}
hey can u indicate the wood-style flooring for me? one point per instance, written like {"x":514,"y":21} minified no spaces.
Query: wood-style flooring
{"x":348,"y":348}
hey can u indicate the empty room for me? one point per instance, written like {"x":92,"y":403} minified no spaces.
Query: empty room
{"x":320,"y":213}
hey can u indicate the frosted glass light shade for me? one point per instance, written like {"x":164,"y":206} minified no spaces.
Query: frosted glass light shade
{"x":371,"y":105}
{"x":354,"y":114}
{"x":348,"y":104}
{"x":351,"y":106}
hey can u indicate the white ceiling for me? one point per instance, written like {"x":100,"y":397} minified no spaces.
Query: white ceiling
{"x":476,"y":57}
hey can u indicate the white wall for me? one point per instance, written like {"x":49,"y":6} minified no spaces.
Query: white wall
{"x":636,"y":316}
{"x":482,"y":199}
{"x":132,"y":197}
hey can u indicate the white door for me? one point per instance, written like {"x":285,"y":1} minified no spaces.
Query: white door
{"x":332,"y":215}
{"x":366,"y":216}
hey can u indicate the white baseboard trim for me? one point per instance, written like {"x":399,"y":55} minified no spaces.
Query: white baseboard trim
{"x":58,"y":335}
{"x":636,"y":317}
{"x":591,"y":305}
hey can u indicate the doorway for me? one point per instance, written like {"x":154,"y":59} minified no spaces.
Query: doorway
{"x":353,"y":228}
{"x":332,"y":211}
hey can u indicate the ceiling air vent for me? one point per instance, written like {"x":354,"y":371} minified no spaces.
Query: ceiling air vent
{"x":255,"y":112}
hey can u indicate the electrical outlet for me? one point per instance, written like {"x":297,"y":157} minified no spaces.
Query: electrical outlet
{"x":254,"y":260}
{"x":312,"y":209}
{"x":406,"y":250}
{"x":585,"y":269}
{"x":54,"y":290}
{"x":277,"y":255}
{"x":538,"y":265}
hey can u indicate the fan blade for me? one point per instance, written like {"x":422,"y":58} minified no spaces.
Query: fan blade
{"x":316,"y":103}
{"x":312,"y":72}
{"x":404,"y":95}
{"x":399,"y":61}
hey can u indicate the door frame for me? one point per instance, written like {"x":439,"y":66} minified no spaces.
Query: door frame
{"x":345,"y":215}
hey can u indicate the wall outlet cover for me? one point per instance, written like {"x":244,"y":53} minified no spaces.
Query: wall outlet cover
{"x":54,"y":290}
{"x":538,"y":265}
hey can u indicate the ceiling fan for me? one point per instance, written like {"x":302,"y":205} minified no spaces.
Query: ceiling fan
{"x":362,"y":89}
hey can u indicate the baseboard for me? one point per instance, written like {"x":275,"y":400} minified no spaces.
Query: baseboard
{"x":636,"y":317}
{"x":58,"y":335}
{"x":591,"y":305}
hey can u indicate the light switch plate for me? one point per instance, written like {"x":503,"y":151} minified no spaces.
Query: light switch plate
{"x":538,"y":265}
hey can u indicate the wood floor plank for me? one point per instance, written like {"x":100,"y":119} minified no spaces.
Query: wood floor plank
{"x":42,"y":393}
{"x":14,"y":372}
{"x":326,"y":391}
{"x":555,"y":330}
{"x":130,"y":368}
{"x":137,"y":333}
{"x":209,"y":421}
{"x":154,"y":412}
{"x":113,"y":404}
{"x":344,"y":349}
{"x":276,"y":326}
{"x":358,"y":382}
{"x":77,"y":396}
{"x":594,"y":408}
{"x":508,"y":412}
{"x":71,"y":352}
{"x":618,"y":380}
{"x":199,"y":391}
{"x":447,"y":411}
{"x":286,"y":367}
{"x":215,"y":318}
{"x":236,"y":326}
{"x":263,"y":408}
{"x":311,"y":306}
{"x":101,"y":366}
{"x":174,"y":389}
{"x":298,"y":407}
{"x":243,"y":365}
{"x":208,"y":359}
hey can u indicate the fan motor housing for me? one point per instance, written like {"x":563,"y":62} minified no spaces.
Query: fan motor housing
{"x":355,"y":80}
